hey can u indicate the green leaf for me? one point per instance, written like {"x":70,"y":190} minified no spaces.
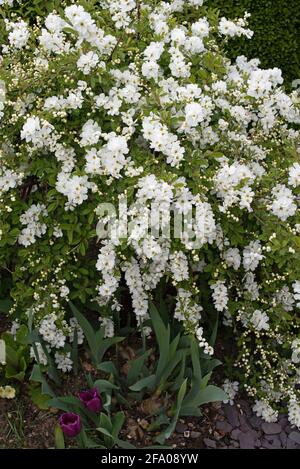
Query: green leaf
{"x":136,"y":366}
{"x":124,"y":444}
{"x":204,"y":396}
{"x":162,"y":334}
{"x":105,"y":345}
{"x":74,"y":353}
{"x":38,"y":398}
{"x":147,"y":383}
{"x":117,"y":423}
{"x":197,"y":373}
{"x":108,"y":367}
{"x":87,"y":330}
{"x":37,"y":375}
{"x":59,"y":437}
{"x":22,"y":334}
{"x":103,"y":385}
{"x":106,"y":423}
{"x":161,"y":438}
{"x":213,"y":337}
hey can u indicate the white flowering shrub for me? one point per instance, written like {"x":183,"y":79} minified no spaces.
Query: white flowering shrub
{"x":133,"y":105}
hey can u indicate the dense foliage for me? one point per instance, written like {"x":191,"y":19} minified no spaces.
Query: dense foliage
{"x":120,"y":110}
{"x":276,"y":25}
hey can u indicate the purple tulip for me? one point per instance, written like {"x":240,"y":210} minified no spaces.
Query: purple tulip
{"x":70,"y":424}
{"x":91,"y":399}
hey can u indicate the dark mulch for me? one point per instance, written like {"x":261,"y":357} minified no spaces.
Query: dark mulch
{"x":22,"y":425}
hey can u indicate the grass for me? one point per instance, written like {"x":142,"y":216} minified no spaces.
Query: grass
{"x":15,"y":425}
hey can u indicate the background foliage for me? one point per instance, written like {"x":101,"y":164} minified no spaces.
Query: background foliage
{"x":276,"y":26}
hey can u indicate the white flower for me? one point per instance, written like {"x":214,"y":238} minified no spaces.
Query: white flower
{"x":201,"y":28}
{"x":252,"y":255}
{"x":231,"y":29}
{"x":283,"y":205}
{"x":34,"y":227}
{"x":63,"y":361}
{"x":108,"y":325}
{"x":161,"y":140}
{"x":18,"y":35}
{"x":220,"y":295}
{"x":260,"y":320}
{"x":90,"y":134}
{"x":264,"y":410}
{"x":294,"y":175}
{"x":233,"y":258}
{"x":64,"y":291}
{"x":194,"y":114}
{"x":296,"y":288}
{"x":231,"y":388}
{"x":179,"y":266}
{"x":294,"y":413}
{"x":87,"y":62}
{"x":36,"y":131}
{"x":295,"y":346}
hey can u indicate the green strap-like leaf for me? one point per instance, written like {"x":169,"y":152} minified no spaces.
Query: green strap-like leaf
{"x":59,"y":438}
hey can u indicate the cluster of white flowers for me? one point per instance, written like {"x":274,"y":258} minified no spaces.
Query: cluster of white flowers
{"x":87,"y":62}
{"x":285,"y":298}
{"x":134,"y":281}
{"x":203,"y":343}
{"x":63,"y":361}
{"x":294,"y":175}
{"x":251,"y":286}
{"x":161,"y":140}
{"x":220,"y":295}
{"x":264,"y":410}
{"x":260,"y":320}
{"x":231,"y":388}
{"x":233,"y":258}
{"x":283,"y":205}
{"x":261,"y":82}
{"x":106,"y":265}
{"x":120,"y":11}
{"x":252,"y":255}
{"x":295,"y":346}
{"x":186,"y":309}
{"x":18,"y":34}
{"x":35,"y":228}
{"x":110,"y":159}
{"x":53,"y":38}
{"x":152,"y":53}
{"x":179,"y":266}
{"x":9,"y":179}
{"x":51,"y":334}
{"x":7,"y":2}
{"x":235,"y":28}
{"x":296,"y":287}
{"x":36,"y":131}
{"x":229,"y":185}
{"x":75,"y":188}
{"x":109,"y":328}
{"x":294,"y":413}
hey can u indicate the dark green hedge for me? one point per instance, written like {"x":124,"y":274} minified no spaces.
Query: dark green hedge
{"x":276,"y":24}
